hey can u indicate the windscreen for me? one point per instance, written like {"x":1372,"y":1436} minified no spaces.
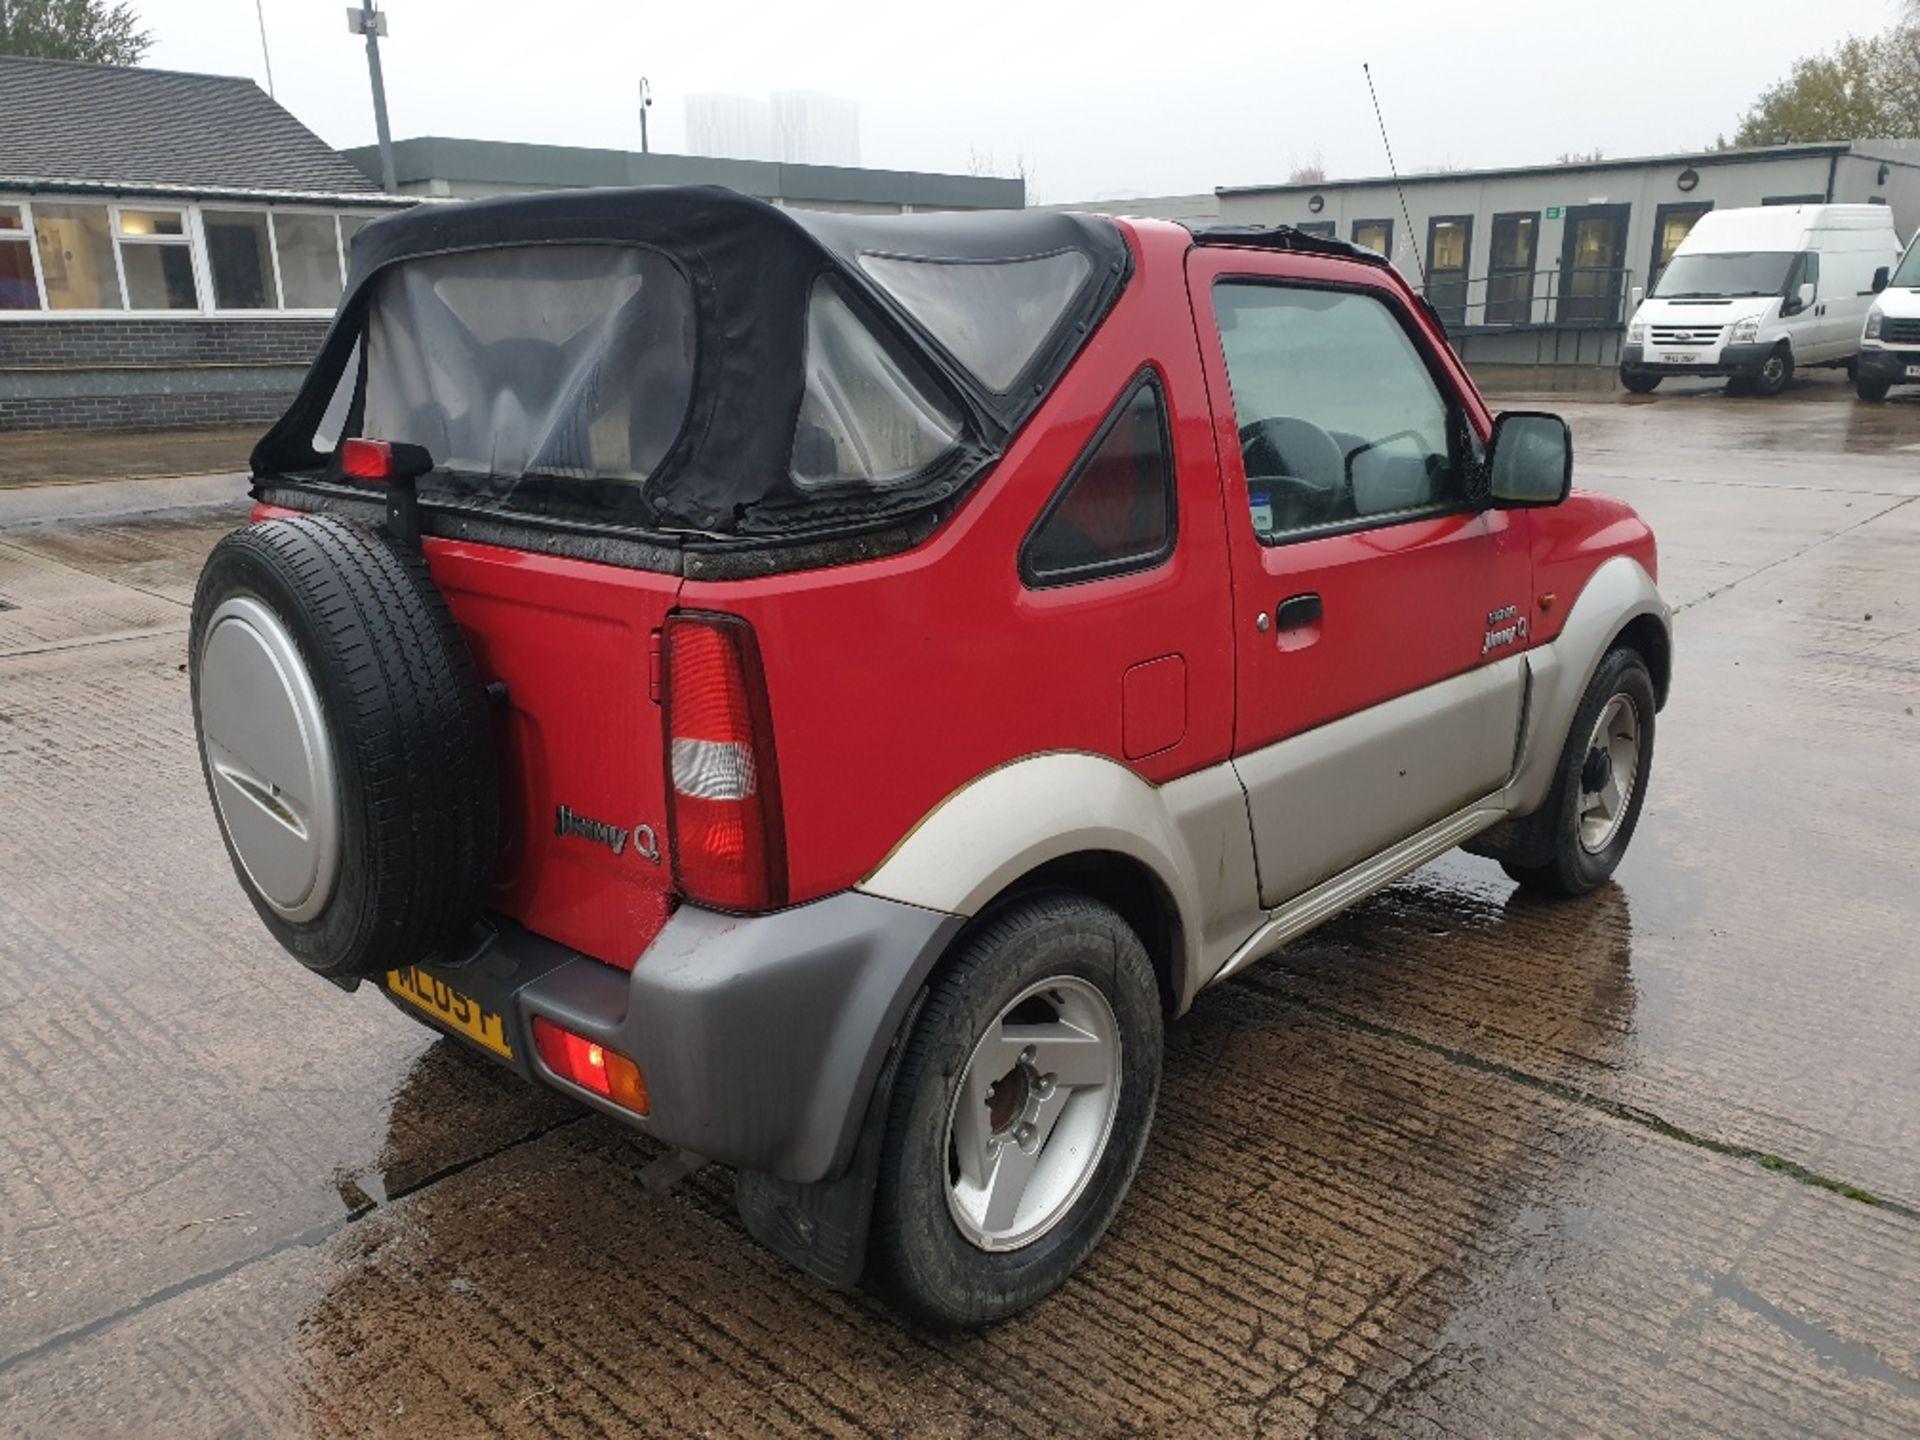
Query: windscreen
{"x":1909,"y":272}
{"x":1743,"y":272}
{"x":573,"y":361}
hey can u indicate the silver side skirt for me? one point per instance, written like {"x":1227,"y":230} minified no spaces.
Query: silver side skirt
{"x":1329,"y":898}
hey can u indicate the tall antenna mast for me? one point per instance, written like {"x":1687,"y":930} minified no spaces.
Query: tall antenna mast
{"x":1394,"y":171}
{"x":260,"y":13}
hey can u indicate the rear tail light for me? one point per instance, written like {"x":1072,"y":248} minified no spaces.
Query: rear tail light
{"x":590,"y":1065}
{"x":723,"y":792}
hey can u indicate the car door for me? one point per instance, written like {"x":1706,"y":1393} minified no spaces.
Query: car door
{"x":1379,"y":617}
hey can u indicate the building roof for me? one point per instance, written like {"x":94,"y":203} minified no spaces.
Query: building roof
{"x":1625,"y":162}
{"x":64,"y":123}
{"x":504,"y":162}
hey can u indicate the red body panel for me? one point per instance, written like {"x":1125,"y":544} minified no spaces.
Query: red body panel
{"x":896,"y":681}
{"x":572,"y":640}
{"x":1571,"y":541}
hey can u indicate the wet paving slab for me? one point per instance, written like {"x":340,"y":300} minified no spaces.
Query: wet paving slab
{"x":1458,"y":1163}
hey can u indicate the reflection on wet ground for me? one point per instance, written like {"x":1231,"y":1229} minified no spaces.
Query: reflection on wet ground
{"x":1458,"y":1163}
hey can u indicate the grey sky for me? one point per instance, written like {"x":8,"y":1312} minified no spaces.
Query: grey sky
{"x":1149,"y":99}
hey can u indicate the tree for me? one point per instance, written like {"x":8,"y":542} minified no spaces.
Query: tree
{"x":1580,"y":157}
{"x":1314,"y":172}
{"x":105,"y":32}
{"x":1862,"y":87}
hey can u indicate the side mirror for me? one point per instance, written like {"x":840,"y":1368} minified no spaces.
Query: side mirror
{"x":1803,"y":297}
{"x":1880,"y":278}
{"x":1529,"y":460}
{"x":1639,"y":294}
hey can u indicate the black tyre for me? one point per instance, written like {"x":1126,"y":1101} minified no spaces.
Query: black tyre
{"x":1020,"y":1112}
{"x":1775,"y":372}
{"x":1639,"y":382}
{"x":345,"y":742}
{"x":1601,"y":782}
{"x":1874,"y":390}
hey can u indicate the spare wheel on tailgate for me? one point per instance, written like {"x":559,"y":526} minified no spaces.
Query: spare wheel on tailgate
{"x":345,"y":742}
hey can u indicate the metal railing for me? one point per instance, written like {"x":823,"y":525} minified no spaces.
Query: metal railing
{"x":1579,"y":297}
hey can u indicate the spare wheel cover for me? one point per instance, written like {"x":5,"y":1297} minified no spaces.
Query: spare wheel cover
{"x":269,"y":758}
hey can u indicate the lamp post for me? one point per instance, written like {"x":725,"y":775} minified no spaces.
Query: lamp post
{"x":372,"y":23}
{"x":646,"y":104}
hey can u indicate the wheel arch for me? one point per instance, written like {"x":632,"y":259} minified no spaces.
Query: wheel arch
{"x":1122,"y":882}
{"x":1619,"y":603}
{"x":1086,"y":822}
{"x":1648,"y":635}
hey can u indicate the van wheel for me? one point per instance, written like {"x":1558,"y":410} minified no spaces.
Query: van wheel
{"x":1875,"y":390}
{"x":1639,"y":382}
{"x":1601,"y":782}
{"x":1021,"y":1109}
{"x":1774,"y":372}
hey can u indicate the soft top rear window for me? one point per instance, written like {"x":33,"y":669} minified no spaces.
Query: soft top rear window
{"x":870,"y":413}
{"x":693,"y":361}
{"x":557,"y":360}
{"x":992,"y":315}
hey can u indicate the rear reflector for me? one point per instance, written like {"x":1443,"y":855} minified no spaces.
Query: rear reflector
{"x":723,"y":795}
{"x":590,"y":1065}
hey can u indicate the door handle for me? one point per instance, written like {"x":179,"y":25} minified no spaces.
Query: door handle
{"x":1296,"y":612}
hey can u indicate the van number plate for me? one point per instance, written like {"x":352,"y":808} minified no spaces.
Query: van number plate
{"x":1675,"y":358}
{"x":1913,"y":372}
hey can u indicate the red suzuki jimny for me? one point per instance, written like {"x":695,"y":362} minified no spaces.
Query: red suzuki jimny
{"x":827,"y":692}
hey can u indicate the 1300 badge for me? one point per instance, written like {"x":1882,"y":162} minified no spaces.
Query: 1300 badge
{"x":1504,"y":627}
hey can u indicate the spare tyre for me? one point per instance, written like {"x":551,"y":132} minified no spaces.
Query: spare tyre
{"x":345,"y":741}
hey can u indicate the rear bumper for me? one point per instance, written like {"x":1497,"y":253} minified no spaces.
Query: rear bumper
{"x":759,"y":1037}
{"x":1730,"y":360}
{"x":1876,"y":363}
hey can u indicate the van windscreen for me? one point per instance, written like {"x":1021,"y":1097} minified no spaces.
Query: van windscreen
{"x":1721,"y":276}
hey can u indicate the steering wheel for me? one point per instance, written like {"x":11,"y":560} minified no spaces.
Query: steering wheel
{"x":1299,"y":461}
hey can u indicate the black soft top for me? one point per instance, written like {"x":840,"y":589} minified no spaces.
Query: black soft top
{"x":751,"y":268}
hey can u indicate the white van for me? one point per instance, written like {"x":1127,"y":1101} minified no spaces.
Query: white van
{"x":1755,"y":294}
{"x":1890,"y":341}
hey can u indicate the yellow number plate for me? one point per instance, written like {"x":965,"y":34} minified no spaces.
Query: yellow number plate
{"x":447,"y":1005}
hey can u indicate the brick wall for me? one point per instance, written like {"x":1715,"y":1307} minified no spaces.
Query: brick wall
{"x":141,"y":412}
{"x":123,"y":374}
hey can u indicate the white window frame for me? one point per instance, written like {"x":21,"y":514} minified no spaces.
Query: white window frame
{"x":32,"y":238}
{"x":338,"y":256}
{"x":209,"y":299}
{"x":184,"y":240}
{"x":195,"y":238}
{"x":46,"y":310}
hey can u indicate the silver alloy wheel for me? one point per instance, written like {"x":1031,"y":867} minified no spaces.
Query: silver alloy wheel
{"x":268,"y":757}
{"x":1607,"y":777}
{"x":1032,"y":1113}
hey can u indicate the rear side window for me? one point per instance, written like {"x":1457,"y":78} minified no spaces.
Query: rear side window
{"x":870,"y":414}
{"x":1115,"y":511}
{"x":1341,"y":424}
{"x":564,"y":360}
{"x":992,"y":316}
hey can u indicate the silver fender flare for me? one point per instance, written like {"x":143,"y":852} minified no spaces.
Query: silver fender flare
{"x":1615,"y":595}
{"x":1192,"y":834}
